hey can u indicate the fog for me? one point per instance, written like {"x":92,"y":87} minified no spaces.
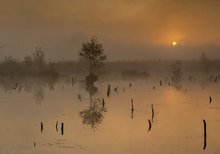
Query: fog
{"x":140,"y":30}
{"x":109,"y":76}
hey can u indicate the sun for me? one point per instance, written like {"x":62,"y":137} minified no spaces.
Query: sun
{"x":174,"y":43}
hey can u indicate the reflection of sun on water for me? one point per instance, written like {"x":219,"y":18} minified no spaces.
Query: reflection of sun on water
{"x":172,"y":96}
{"x":174,"y":43}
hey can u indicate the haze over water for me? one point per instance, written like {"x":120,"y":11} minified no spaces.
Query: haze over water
{"x":123,"y":77}
{"x":138,"y":29}
{"x":176,"y":125}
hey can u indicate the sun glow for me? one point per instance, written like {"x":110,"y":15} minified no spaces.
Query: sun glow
{"x":174,"y":43}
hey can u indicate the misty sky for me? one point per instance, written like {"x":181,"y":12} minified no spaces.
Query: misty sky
{"x":128,"y":29}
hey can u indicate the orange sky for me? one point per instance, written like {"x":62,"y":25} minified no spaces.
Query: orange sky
{"x":25,"y":24}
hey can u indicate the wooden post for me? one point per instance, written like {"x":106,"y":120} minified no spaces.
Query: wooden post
{"x":132,"y":114}
{"x":108,"y":91}
{"x":41,"y":127}
{"x":150,"y":125}
{"x":116,"y":89}
{"x":210,"y":99}
{"x":152,"y":109}
{"x":205,"y":135}
{"x":57,"y":126}
{"x":132,"y":105}
{"x":132,"y":109}
{"x":103,"y":103}
{"x":62,"y":128}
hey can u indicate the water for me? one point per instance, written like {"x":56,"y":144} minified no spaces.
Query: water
{"x":177,"y":126}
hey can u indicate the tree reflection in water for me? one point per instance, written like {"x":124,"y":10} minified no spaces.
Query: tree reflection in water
{"x":33,"y":85}
{"x":38,"y":95}
{"x":91,"y":89}
{"x":177,"y":74}
{"x":93,"y":115}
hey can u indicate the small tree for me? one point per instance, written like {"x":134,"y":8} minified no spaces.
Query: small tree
{"x":93,"y":51}
{"x":205,"y":63}
{"x":28,"y":61}
{"x":176,"y":68}
{"x":39,"y":57}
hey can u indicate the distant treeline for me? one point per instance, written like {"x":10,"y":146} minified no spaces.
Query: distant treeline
{"x":35,"y":65}
{"x":143,"y":68}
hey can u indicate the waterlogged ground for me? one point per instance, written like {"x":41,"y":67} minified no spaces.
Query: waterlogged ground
{"x":91,"y":126}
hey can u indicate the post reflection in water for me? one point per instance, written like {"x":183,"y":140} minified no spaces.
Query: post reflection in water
{"x":38,"y":95}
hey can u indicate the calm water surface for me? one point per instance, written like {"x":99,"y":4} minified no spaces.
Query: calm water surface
{"x":91,"y":127}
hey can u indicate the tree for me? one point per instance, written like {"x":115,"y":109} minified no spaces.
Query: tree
{"x":28,"y":60}
{"x":176,"y":68}
{"x":93,"y":51}
{"x":39,"y":57}
{"x":205,"y":63}
{"x":177,"y":73}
